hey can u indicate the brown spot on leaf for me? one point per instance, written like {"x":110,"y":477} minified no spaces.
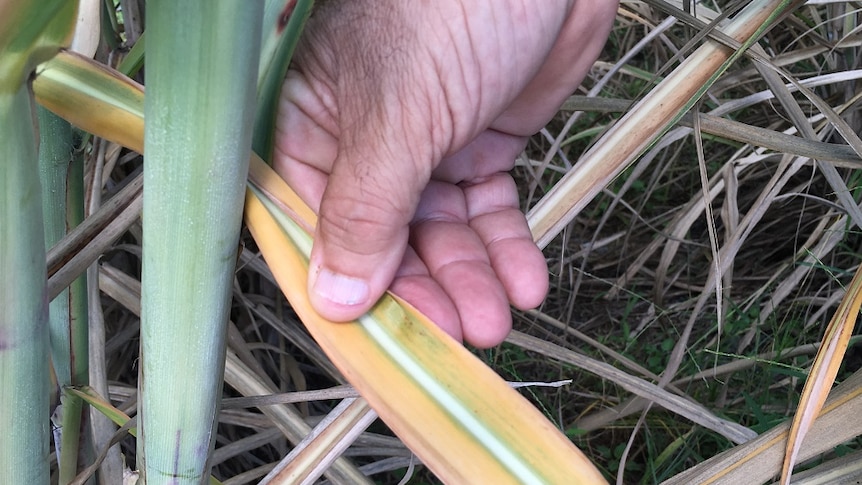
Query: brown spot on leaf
{"x":284,"y":17}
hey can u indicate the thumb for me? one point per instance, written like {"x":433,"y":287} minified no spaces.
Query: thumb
{"x":362,"y":56}
{"x":362,"y":230}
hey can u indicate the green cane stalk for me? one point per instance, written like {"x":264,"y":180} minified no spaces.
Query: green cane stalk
{"x":202,"y":61}
{"x":24,"y":373}
{"x":61,"y":177}
{"x":30,"y":33}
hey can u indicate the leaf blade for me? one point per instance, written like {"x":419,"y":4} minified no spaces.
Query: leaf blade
{"x":823,"y":371}
{"x":481,"y":428}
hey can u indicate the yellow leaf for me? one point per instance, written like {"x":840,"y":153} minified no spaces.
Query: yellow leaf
{"x":823,"y":371}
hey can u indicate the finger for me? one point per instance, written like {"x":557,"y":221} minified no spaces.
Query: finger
{"x":457,"y":260}
{"x":494,"y":215}
{"x":370,"y":198}
{"x":361,"y":234}
{"x":304,"y":154}
{"x":414,"y":284}
{"x":491,"y":152}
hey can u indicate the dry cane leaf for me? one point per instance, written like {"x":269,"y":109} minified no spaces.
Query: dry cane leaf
{"x":823,"y":371}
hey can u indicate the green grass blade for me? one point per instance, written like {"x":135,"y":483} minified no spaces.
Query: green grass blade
{"x":201,"y":73}
{"x":134,"y":60}
{"x":91,"y":397}
{"x":759,"y":460}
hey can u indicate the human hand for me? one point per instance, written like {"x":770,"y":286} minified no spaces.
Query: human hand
{"x":398,"y":124}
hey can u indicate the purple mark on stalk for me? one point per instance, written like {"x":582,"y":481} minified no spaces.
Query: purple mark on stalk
{"x":177,"y":457}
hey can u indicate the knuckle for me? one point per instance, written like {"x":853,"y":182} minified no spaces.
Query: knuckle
{"x":363,"y":226}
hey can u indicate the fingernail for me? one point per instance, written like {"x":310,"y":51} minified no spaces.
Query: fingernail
{"x":339,"y":288}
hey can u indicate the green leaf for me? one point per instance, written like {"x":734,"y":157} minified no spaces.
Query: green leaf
{"x":283,"y":22}
{"x":30,"y":33}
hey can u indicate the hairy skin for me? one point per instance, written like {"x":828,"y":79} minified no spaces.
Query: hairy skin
{"x":398,"y":125}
